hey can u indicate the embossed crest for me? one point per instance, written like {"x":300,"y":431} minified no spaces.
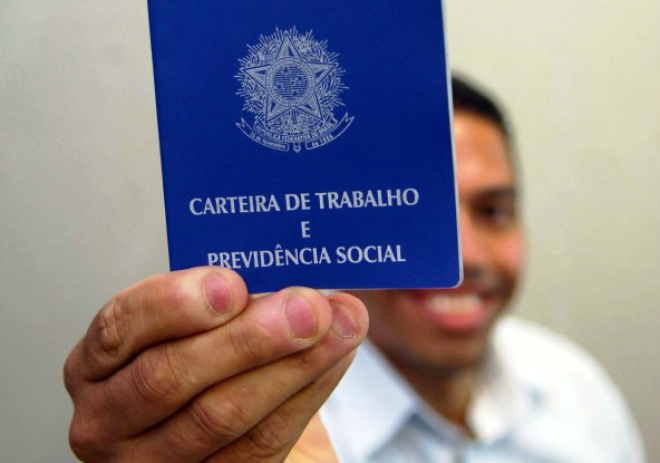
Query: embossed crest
{"x":291,"y":83}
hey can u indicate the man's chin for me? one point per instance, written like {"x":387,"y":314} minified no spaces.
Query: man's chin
{"x":448,"y":359}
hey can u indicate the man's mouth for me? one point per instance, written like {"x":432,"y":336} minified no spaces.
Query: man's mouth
{"x":460,"y":312}
{"x":454,"y":304}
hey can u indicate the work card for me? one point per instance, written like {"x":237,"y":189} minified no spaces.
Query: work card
{"x":307,"y":142}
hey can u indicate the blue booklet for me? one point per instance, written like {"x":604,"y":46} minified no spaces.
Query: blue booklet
{"x":307,"y":142}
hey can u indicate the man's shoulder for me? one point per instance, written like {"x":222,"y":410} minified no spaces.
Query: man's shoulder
{"x":551,"y":360}
{"x":512,"y":332}
{"x":527,"y":341}
{"x":571,"y":383}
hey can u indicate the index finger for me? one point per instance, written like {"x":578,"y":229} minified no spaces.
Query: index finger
{"x":160,"y":308}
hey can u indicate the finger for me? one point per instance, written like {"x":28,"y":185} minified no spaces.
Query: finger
{"x":164,"y":378}
{"x":273,"y":438}
{"x":229,"y":409}
{"x":160,"y":308}
{"x":314,"y":445}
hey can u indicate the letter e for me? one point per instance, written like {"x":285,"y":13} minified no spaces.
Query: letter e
{"x":304,"y":226}
{"x":304,"y":199}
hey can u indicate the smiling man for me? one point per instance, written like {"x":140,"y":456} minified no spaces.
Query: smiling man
{"x":444,"y":377}
{"x":186,"y":367}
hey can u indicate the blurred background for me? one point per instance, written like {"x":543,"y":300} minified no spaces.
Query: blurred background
{"x":81,"y":195}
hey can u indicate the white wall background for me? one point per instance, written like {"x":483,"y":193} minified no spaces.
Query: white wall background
{"x":81,"y":211}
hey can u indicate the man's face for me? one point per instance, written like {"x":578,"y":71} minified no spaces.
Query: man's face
{"x":439,"y":332}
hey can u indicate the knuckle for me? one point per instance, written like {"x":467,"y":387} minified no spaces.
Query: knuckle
{"x":70,"y":374}
{"x":218,"y":424}
{"x":245,"y":343}
{"x":179,"y":293}
{"x":172,"y":291}
{"x":270,"y":438}
{"x":113,"y":324}
{"x":106,"y":341}
{"x":84,"y":441}
{"x":154,"y":376}
{"x":182,"y":371}
{"x":311,"y":361}
{"x":79,"y":444}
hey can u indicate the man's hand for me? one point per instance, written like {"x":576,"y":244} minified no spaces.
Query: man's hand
{"x":185,"y":367}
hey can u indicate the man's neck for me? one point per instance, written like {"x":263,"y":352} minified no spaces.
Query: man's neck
{"x":448,"y":393}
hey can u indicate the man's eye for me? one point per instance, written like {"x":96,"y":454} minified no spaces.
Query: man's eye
{"x":498,"y":214}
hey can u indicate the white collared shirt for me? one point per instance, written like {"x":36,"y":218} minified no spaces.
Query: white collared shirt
{"x":540,"y":399}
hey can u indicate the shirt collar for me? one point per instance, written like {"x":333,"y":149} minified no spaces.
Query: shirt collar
{"x":373,"y":396}
{"x":506,"y":395}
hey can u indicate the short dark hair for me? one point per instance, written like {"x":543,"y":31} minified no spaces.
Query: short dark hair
{"x":469,"y":97}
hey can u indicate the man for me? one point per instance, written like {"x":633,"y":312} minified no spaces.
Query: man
{"x":440,"y":382}
{"x":185,"y":367}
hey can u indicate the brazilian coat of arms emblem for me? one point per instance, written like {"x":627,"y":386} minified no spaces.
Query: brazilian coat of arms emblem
{"x":291,"y":83}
